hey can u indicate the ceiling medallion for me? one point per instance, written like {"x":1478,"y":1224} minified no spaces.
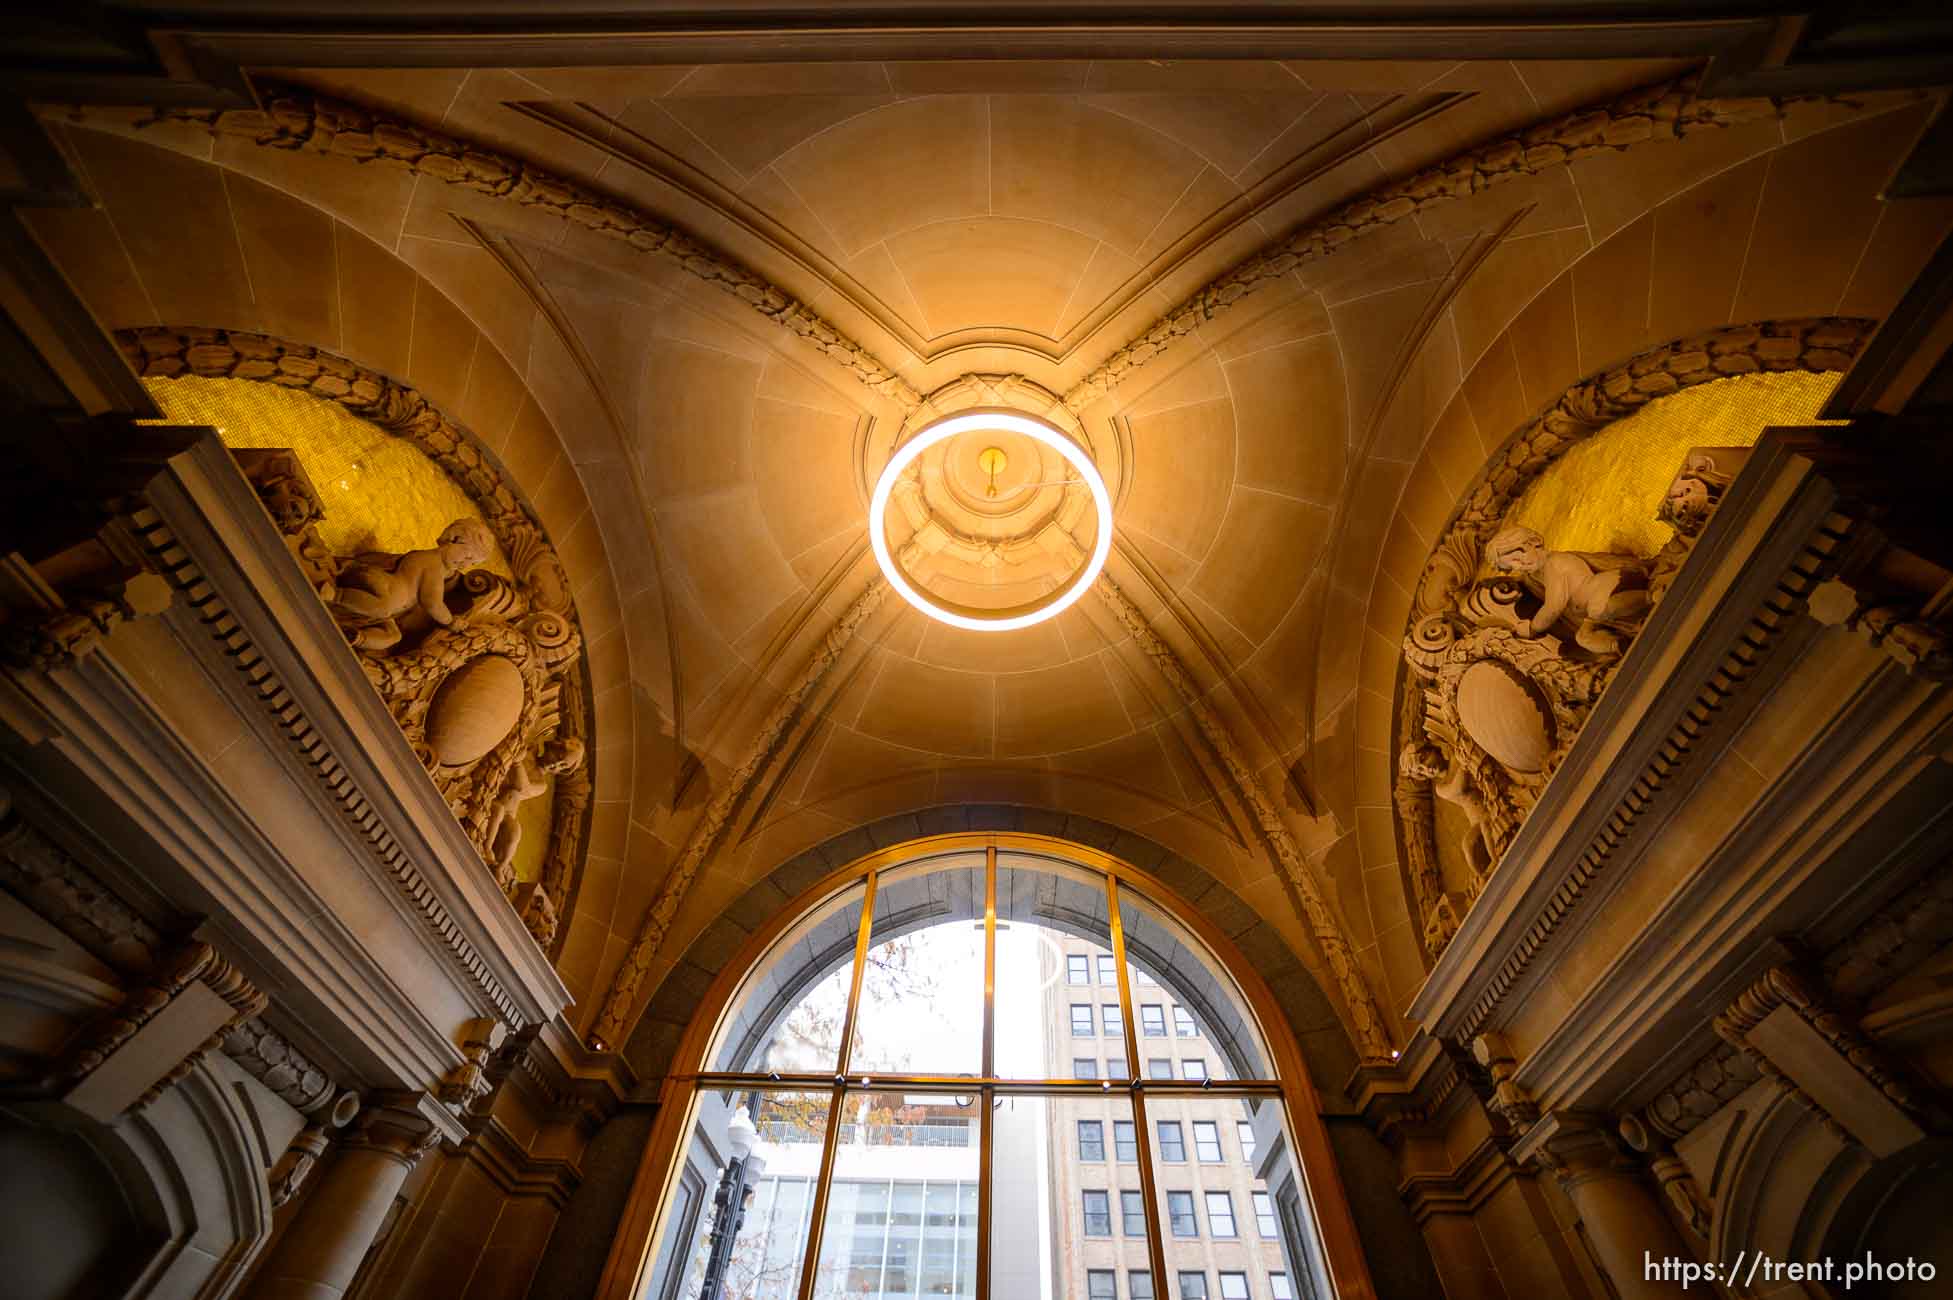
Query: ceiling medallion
{"x":973,"y":618}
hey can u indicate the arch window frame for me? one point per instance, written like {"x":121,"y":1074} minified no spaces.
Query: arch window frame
{"x":1287,"y":1084}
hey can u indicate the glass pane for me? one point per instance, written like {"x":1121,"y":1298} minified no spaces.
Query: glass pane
{"x":739,"y":1227}
{"x":1053,"y":919}
{"x":922,"y":981}
{"x":902,"y":1214}
{"x":1069,"y":1217}
{"x":1213,"y":1034}
{"x":1223,"y":1218}
{"x":787,"y":1016}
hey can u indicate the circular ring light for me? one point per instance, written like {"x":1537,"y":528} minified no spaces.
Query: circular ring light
{"x":964,"y":616}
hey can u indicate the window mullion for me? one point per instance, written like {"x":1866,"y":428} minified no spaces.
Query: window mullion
{"x":990,"y":962}
{"x":817,"y":1213}
{"x":861,"y":938}
{"x":986,"y":1142}
{"x":1136,"y":1089}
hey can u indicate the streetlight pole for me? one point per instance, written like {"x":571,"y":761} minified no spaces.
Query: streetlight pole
{"x":729,"y":1202}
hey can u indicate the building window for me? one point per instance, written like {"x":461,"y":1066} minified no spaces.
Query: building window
{"x":1159,"y":1067}
{"x":1091,"y":1139}
{"x":1152,"y":1021}
{"x":1193,"y":1067}
{"x":1108,"y":973}
{"x":1179,"y":1214}
{"x":1084,"y":1067}
{"x":1125,"y":1143}
{"x":1234,"y":1286}
{"x":1102,"y":1284}
{"x":1173,"y":1148}
{"x":1115,"y":1067}
{"x":1098,"y":1214}
{"x":1246,"y":1133}
{"x":1183,"y":1024}
{"x":1081,"y":1019}
{"x":1132,"y":1213}
{"x":1109,"y":1014}
{"x":1207,"y":1141}
{"x":1193,"y":1286}
{"x":1078,"y":970}
{"x":1139,"y":1284}
{"x":1220,"y":1214}
{"x":1278,"y":1287}
{"x":1265,"y":1215}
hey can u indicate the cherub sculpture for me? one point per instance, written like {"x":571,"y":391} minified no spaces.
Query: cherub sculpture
{"x":376,"y":590}
{"x":526,"y":780}
{"x":1600,"y":595}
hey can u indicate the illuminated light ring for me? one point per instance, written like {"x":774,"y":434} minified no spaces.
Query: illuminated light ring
{"x":964,"y":616}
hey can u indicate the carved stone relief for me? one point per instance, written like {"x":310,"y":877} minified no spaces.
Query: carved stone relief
{"x":482,"y":673}
{"x":1511,"y":643}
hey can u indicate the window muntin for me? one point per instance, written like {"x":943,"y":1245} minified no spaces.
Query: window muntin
{"x":1101,"y":1284}
{"x":1191,"y":1285}
{"x":1125,"y":1142}
{"x":1180,"y":1214}
{"x":1091,"y":1139}
{"x":1220,"y":1214}
{"x":1245,"y":1132}
{"x":1152,"y":1020}
{"x":908,"y":1217}
{"x":1265,"y":1216}
{"x":1078,"y":969}
{"x":1234,"y":1286}
{"x":1173,"y":1145}
{"x":1098,"y":1213}
{"x":1207,"y":1141}
{"x":1132,"y":1213}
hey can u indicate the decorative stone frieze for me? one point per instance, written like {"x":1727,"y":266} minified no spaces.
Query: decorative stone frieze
{"x":1501,"y":672}
{"x":1666,"y":110}
{"x":458,"y":633}
{"x":614,"y":1022}
{"x":1717,"y":1078}
{"x":1902,"y":934}
{"x":295,"y":118}
{"x":266,"y":1056}
{"x":1366,"y":1026}
{"x":48,"y":879}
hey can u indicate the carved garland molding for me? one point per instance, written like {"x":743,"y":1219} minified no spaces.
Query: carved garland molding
{"x":1666,"y":110}
{"x":1366,"y":1025}
{"x":404,"y":413}
{"x":615,"y":1020}
{"x":295,"y":118}
{"x":1585,"y":409}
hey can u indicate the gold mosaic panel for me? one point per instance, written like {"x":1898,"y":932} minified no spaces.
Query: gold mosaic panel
{"x":1601,"y":495}
{"x":380,"y":493}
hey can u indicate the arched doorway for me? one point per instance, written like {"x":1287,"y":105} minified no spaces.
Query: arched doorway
{"x":988,"y":1065}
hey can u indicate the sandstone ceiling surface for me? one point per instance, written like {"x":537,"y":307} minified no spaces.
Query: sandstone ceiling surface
{"x":707,"y":474}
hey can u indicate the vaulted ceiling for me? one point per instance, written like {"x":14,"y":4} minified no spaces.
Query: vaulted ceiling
{"x":706,"y":471}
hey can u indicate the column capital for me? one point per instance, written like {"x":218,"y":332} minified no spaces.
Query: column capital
{"x":403,"y":1126}
{"x":1578,"y":1146}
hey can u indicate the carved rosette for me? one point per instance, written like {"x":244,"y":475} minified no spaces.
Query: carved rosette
{"x":526,"y":624}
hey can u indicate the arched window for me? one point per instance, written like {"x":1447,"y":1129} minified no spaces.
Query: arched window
{"x":980,"y":1066}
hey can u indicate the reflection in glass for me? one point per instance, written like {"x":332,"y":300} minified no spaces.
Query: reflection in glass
{"x":1214,"y":1035}
{"x":787,"y":1016}
{"x":739,"y":1225}
{"x":922,"y":979}
{"x":902,"y":1210}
